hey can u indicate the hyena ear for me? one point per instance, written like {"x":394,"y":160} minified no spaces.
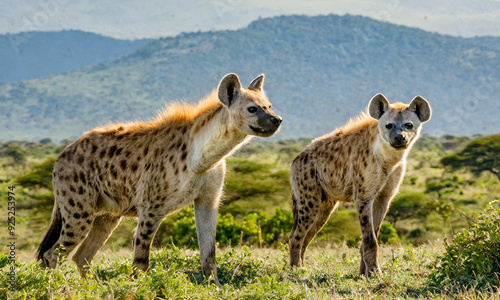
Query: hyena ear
{"x":229,"y":89}
{"x":378,"y":106}
{"x":257,"y":83}
{"x":421,"y":108}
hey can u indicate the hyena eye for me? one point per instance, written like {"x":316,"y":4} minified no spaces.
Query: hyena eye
{"x":389,"y":125}
{"x":252,"y":109}
{"x":409,"y":125}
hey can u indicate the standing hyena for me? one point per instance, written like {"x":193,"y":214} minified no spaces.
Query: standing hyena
{"x":150,"y":169}
{"x":363,"y":161}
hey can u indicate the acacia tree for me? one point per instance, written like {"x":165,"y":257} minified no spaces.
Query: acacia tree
{"x":481,"y":154}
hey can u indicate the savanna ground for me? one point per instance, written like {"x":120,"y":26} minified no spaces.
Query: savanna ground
{"x":437,"y":200}
{"x":245,"y":273}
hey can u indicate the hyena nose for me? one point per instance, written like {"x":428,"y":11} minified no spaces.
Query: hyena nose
{"x":399,"y":138}
{"x":276,"y":120}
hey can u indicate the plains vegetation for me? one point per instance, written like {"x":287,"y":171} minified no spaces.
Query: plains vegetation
{"x":439,"y":240}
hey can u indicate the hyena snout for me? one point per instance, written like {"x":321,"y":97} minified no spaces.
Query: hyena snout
{"x":400,"y":140}
{"x":268,"y":124}
{"x":400,"y":137}
{"x":271,"y":121}
{"x":276,"y":120}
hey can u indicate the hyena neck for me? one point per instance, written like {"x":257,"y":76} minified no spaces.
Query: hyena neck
{"x":214,"y":141}
{"x":387,"y":155}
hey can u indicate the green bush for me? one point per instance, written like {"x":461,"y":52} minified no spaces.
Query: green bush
{"x":255,"y":229}
{"x":406,"y":205}
{"x":416,"y":233}
{"x":17,"y":154}
{"x":184,"y":229}
{"x":277,"y":228}
{"x":40,"y":176}
{"x":472,"y":260}
{"x":388,"y":234}
{"x":228,"y":230}
{"x":417,"y":236}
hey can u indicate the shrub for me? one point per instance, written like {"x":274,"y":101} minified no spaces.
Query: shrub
{"x":417,"y":236}
{"x":353,"y":242}
{"x":17,"y":154}
{"x":45,"y":141}
{"x":277,"y":228}
{"x":416,"y":233}
{"x":257,"y":227}
{"x":406,"y":205}
{"x":388,"y":234}
{"x":472,"y":260}
{"x":228,"y":230}
{"x":41,"y":175}
{"x":184,"y":229}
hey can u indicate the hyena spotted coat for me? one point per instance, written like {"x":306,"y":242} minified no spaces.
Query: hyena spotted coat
{"x":150,"y":169}
{"x":364,"y":162}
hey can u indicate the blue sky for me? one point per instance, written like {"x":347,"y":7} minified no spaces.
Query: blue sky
{"x":132,"y":19}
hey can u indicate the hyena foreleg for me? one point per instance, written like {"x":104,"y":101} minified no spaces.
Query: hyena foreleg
{"x":385,"y":196}
{"x":369,"y":246}
{"x":206,"y":207}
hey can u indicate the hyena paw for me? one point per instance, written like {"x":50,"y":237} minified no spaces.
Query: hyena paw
{"x":371,"y":272}
{"x":141,"y":263}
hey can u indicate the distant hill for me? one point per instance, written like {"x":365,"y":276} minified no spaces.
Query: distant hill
{"x":320,"y":72}
{"x":35,"y":54}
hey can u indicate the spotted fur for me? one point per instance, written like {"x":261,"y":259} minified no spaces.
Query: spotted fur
{"x":150,"y":169}
{"x":364,"y":162}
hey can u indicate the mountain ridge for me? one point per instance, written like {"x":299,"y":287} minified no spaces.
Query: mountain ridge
{"x":320,"y":72}
{"x":30,"y":55}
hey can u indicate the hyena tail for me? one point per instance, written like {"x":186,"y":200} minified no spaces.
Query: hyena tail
{"x":52,"y":234}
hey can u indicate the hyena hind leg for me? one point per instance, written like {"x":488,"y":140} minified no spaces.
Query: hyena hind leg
{"x":304,"y":218}
{"x":101,"y":230}
{"x":148,"y":223}
{"x":75,"y":226}
{"x":324,"y":214}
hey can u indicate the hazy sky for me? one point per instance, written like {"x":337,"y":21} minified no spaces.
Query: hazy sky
{"x":133,"y":19}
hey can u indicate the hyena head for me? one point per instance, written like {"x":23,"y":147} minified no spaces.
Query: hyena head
{"x":399,"y":124}
{"x":249,"y":108}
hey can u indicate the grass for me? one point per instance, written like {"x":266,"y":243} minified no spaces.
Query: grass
{"x":256,"y":273}
{"x":257,"y":181}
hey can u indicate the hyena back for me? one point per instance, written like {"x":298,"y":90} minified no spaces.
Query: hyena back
{"x":364,"y":162}
{"x":150,"y":169}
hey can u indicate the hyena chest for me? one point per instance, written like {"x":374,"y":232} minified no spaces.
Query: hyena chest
{"x":181,"y":192}
{"x":345,"y":182}
{"x":173,"y":192}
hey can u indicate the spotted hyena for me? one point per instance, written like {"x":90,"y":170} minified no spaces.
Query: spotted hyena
{"x":364,"y":162}
{"x":150,"y":169}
